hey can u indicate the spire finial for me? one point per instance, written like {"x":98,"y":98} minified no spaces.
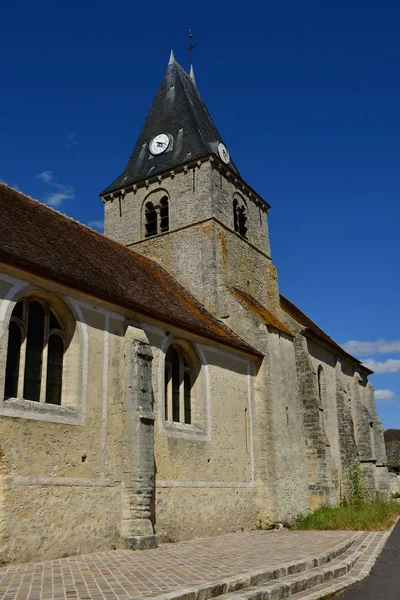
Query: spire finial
{"x":171,"y":58}
{"x":191,"y":49}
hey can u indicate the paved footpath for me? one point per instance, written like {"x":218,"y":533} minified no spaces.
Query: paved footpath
{"x":119,"y":575}
{"x":383,"y":582}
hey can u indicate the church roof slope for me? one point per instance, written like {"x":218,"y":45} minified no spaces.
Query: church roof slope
{"x":40,"y":240}
{"x":178,"y":111}
{"x":262,"y":313}
{"x":294,"y":311}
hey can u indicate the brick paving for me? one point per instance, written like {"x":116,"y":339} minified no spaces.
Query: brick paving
{"x":122,"y":574}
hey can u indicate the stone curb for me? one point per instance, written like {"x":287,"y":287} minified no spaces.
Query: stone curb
{"x":256,"y":578}
{"x":350,"y":580}
{"x":293,"y":584}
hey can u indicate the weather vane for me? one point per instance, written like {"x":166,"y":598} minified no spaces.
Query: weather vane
{"x":191,"y":47}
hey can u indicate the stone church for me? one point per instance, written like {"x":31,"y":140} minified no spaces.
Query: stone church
{"x":155,"y":383}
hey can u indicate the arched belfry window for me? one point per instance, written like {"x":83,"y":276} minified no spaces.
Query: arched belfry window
{"x":156,"y":217}
{"x":178,"y":386}
{"x":35,"y":353}
{"x":240,"y":217}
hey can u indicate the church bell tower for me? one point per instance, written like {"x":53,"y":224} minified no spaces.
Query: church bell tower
{"x":182,"y":202}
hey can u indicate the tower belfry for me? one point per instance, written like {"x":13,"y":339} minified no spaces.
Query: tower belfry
{"x":182,"y":201}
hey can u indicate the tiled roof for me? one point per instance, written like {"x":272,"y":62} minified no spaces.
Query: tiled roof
{"x":392,"y":435}
{"x":263,"y":313}
{"x":40,"y":240}
{"x":294,"y":311}
{"x":178,"y":111}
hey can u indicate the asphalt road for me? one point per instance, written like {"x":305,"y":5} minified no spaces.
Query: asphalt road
{"x":384,"y":581}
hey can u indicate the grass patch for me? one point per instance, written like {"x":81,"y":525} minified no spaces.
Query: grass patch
{"x":377,"y":515}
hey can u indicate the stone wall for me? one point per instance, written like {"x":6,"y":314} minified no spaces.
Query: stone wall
{"x":205,"y":473}
{"x":62,"y":467}
{"x":394,"y":483}
{"x":80,"y":477}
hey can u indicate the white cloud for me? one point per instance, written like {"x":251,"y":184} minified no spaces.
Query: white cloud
{"x":384,"y":395}
{"x":60,"y":191}
{"x":66,"y":192}
{"x":99,"y":224}
{"x":390,"y":365}
{"x":46,"y":176}
{"x":371,"y":348}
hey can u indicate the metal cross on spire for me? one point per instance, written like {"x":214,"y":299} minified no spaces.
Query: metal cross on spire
{"x":191,"y":47}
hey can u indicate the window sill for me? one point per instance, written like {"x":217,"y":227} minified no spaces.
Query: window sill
{"x":39,"y":411}
{"x":182,"y":430}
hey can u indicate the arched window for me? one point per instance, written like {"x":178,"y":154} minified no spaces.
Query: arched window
{"x":240,"y":217}
{"x":156,"y":217}
{"x":178,"y":386}
{"x":36,"y":346}
{"x":150,"y":214}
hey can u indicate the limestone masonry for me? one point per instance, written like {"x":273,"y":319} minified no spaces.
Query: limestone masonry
{"x":156,"y":384}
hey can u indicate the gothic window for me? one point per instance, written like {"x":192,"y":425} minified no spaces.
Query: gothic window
{"x":36,"y":346}
{"x":178,"y":386}
{"x":240,"y":217}
{"x":156,"y":217}
{"x":150,"y":214}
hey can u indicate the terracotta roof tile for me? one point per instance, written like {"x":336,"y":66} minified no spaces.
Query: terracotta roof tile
{"x":40,"y":240}
{"x":392,"y":435}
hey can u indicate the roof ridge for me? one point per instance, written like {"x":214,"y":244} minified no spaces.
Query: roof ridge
{"x":51,"y":208}
{"x":319,"y":332}
{"x":305,"y":314}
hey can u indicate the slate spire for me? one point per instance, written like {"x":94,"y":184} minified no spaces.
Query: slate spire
{"x":179,"y":112}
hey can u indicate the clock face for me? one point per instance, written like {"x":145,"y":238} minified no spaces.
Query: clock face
{"x":159,"y":144}
{"x":223,"y":153}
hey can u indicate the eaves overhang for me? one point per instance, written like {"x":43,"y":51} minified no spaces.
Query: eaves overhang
{"x":162,"y":175}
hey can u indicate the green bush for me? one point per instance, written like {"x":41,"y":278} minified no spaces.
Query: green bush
{"x":377,"y":515}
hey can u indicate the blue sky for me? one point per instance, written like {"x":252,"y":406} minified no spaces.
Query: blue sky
{"x":306,"y":95}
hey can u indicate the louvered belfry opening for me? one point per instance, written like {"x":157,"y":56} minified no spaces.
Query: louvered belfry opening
{"x":150,"y":214}
{"x":240,"y":218}
{"x":164,"y":214}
